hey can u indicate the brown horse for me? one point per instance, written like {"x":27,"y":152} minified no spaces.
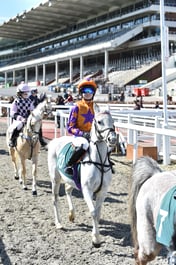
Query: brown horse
{"x":28,"y":145}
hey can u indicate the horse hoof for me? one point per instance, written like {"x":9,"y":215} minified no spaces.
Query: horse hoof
{"x":71,"y":217}
{"x":16,"y":177}
{"x":59,"y":226}
{"x":25,"y":188}
{"x":34,"y":193}
{"x":96,"y":245}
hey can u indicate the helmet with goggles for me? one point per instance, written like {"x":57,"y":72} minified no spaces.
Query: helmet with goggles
{"x":87,"y":86}
{"x":23,"y":88}
{"x":34,"y":90}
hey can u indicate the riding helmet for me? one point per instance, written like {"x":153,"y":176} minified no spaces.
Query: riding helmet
{"x":87,"y":86}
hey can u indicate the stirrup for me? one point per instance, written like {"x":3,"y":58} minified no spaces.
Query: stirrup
{"x":68,"y":170}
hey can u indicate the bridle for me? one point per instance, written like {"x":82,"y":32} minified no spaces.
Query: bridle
{"x":99,"y":132}
{"x":102,"y":166}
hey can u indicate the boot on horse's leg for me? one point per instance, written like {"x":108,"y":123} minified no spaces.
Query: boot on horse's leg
{"x":77,"y":153}
{"x":13,"y":138}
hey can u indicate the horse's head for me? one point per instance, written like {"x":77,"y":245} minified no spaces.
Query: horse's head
{"x":34,"y":122}
{"x":45,"y":107}
{"x":103,"y":128}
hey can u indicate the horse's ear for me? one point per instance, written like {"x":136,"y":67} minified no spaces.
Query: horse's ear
{"x":96,"y":108}
{"x":42,"y":97}
{"x":101,"y":109}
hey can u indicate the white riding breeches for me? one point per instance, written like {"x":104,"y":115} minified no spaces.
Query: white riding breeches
{"x":79,"y":141}
{"x":15,"y":125}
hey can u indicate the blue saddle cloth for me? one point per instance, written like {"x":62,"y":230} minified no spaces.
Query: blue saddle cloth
{"x":62,"y":160}
{"x":165,"y":218}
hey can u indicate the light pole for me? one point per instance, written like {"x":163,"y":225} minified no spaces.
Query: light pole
{"x":164,"y":54}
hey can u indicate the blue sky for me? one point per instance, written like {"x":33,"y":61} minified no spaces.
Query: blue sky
{"x":10,"y":8}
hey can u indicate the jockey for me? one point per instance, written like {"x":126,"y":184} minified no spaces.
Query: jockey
{"x":80,"y":121}
{"x":20,"y":111}
{"x":36,"y":100}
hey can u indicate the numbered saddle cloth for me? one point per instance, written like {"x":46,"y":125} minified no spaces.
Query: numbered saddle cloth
{"x":62,"y":160}
{"x":165,"y":218}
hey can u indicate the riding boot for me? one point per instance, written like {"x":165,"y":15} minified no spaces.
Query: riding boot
{"x":42,"y":142}
{"x":13,"y":138}
{"x":77,"y":154}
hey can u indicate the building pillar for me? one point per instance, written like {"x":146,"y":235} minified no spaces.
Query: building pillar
{"x":56,"y":71}
{"x":71,"y":69}
{"x":26,"y":75}
{"x":44,"y":74}
{"x":81,"y":67}
{"x":106,"y":65}
{"x":13,"y":80}
{"x":5,"y":76}
{"x":36,"y":73}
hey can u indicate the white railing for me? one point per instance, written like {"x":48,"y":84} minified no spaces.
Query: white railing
{"x":151,"y":124}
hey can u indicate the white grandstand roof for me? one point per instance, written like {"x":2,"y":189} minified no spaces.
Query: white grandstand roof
{"x":53,"y":15}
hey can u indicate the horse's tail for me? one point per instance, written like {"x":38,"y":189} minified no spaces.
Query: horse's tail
{"x":144,"y":168}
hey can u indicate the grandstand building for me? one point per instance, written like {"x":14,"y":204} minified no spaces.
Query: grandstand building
{"x":113,"y":41}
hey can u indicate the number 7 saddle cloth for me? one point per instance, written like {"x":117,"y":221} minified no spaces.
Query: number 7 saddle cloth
{"x":165,"y":218}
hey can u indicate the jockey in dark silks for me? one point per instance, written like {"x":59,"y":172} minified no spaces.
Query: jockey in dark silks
{"x":20,"y":110}
{"x":36,"y":100}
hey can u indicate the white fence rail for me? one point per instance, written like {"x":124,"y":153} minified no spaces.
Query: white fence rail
{"x":148,"y":121}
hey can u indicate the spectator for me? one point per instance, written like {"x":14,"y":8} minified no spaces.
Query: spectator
{"x":137,"y":105}
{"x":59,"y":101}
{"x":36,"y":100}
{"x":122,"y":97}
{"x":69,"y":99}
{"x":157,"y":105}
{"x":141,"y":101}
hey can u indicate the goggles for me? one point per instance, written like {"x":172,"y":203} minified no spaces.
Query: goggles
{"x":87,"y":90}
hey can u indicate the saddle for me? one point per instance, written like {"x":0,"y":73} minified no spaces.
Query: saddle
{"x":62,"y":159}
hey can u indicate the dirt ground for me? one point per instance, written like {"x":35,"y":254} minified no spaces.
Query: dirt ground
{"x":27,"y":232}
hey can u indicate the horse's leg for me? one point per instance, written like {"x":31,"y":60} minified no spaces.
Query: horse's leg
{"x":55,"y":180}
{"x":148,"y":248}
{"x":14,"y":158}
{"x":55,"y":193}
{"x":34,"y":176}
{"x":68,"y":190}
{"x":95,"y":214}
{"x":23,"y":174}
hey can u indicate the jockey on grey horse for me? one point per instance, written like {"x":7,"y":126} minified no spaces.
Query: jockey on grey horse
{"x":80,"y":121}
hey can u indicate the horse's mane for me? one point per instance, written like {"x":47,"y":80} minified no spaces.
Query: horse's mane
{"x":144,"y":168}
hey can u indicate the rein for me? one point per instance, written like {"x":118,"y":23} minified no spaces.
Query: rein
{"x":100,"y":165}
{"x":30,"y":138}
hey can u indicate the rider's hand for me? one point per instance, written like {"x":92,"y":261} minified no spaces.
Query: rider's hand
{"x":23,"y":120}
{"x":86,"y":135}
